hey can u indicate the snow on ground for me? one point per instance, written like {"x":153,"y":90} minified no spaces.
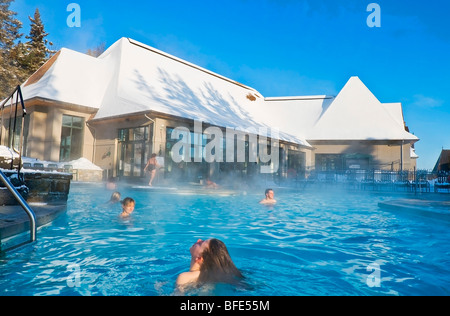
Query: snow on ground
{"x":7,"y":152}
{"x":78,"y":164}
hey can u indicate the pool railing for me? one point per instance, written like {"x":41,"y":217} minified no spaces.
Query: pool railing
{"x":26,"y":208}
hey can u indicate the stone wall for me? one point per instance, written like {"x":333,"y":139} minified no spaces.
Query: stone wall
{"x":49,"y":187}
{"x":45,"y":187}
{"x":6,"y":197}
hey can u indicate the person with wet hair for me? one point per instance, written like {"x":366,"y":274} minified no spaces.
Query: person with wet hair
{"x":269,"y":199}
{"x":115,"y":198}
{"x":210,"y":263}
{"x":128,"y":205}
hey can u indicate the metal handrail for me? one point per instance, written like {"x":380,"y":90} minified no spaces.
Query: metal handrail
{"x":23,"y":203}
{"x":11,"y":143}
{"x":19,"y":100}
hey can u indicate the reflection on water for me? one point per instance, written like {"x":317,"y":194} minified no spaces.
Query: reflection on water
{"x":307,"y":244}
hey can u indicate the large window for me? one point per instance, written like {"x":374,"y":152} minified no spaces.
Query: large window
{"x":336,"y":162}
{"x":193,"y":165}
{"x":329,"y":162}
{"x":135,"y":147}
{"x":71,"y":138}
{"x":296,"y":164}
{"x":198,"y":158}
{"x":12,"y":130}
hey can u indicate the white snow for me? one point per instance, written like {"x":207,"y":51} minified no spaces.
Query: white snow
{"x":8,"y":153}
{"x":131,"y":77}
{"x":83,"y":164}
{"x":78,"y":164}
{"x":356,"y":114}
{"x":74,"y":78}
{"x":412,"y":153}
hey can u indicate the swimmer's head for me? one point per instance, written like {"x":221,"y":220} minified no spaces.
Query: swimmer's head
{"x":269,"y":193}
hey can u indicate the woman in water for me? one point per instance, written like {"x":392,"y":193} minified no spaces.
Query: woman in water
{"x":210,"y":263}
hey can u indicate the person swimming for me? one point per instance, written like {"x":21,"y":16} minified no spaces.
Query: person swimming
{"x":128,"y":205}
{"x":210,"y":263}
{"x":269,"y":199}
{"x":115,"y":197}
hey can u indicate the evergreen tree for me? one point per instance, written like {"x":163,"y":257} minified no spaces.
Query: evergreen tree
{"x":20,"y":60}
{"x":9,"y":50}
{"x":38,"y":52}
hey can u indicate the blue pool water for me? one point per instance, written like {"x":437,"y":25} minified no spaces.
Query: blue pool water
{"x":308,"y":244}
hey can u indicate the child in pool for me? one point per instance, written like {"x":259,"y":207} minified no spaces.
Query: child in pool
{"x":128,"y":205}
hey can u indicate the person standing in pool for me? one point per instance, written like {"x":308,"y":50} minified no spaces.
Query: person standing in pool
{"x":128,"y":205}
{"x":210,"y":263}
{"x":269,"y":197}
{"x":151,"y":167}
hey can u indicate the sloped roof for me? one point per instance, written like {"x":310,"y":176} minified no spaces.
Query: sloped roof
{"x":443,"y":162}
{"x":396,"y":112}
{"x":69,"y":77}
{"x":297,"y":115}
{"x":356,"y":114}
{"x":132,"y":78}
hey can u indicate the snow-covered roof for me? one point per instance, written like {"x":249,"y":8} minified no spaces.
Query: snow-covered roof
{"x":133,"y":78}
{"x":356,"y":114}
{"x":148,"y":79}
{"x":70,"y":77}
{"x":297,"y":115}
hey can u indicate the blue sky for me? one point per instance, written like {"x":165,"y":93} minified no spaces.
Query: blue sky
{"x":287,"y":47}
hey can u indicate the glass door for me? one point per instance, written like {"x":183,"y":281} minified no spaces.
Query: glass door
{"x":134,"y":151}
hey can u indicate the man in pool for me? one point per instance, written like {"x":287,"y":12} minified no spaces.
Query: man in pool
{"x":128,"y":205}
{"x":269,"y":197}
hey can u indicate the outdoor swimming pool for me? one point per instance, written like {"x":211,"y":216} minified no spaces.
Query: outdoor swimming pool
{"x":308,"y":244}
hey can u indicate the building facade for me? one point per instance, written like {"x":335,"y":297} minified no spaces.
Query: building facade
{"x":133,"y":100}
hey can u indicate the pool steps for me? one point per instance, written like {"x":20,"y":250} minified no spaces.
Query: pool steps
{"x":23,"y":203}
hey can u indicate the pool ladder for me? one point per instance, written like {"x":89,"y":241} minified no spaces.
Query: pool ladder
{"x":25,"y":206}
